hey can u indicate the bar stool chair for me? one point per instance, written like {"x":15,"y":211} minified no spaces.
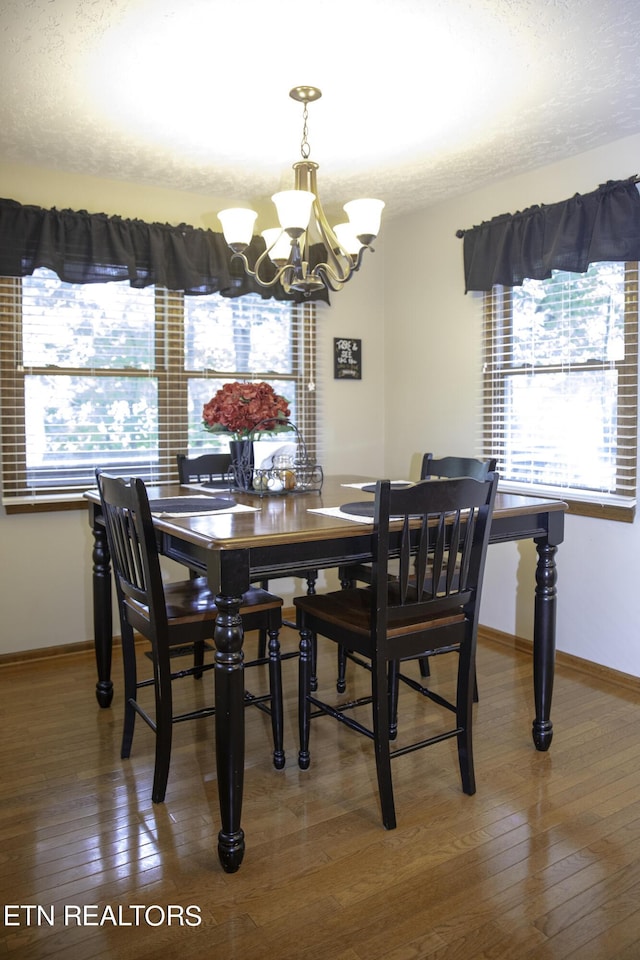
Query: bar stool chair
{"x":169,"y":616}
{"x":448,"y":467}
{"x":211,"y":469}
{"x":430,"y":606}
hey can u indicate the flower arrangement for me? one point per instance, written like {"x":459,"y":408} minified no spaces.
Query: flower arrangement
{"x":238,"y":407}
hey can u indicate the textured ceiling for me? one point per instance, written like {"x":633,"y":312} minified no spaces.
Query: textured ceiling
{"x":422,"y":99}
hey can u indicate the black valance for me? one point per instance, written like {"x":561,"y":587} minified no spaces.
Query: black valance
{"x":83,"y":247}
{"x":597,"y":226}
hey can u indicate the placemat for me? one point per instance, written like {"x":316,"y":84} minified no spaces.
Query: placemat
{"x":338,"y":514}
{"x":371,"y":486}
{"x":395,"y":485}
{"x":362,"y":508}
{"x":181,"y":506}
{"x":215,"y":485}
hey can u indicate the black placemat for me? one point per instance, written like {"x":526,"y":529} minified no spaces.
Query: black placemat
{"x":395,"y":485}
{"x":366,"y":508}
{"x":191,"y":504}
{"x":361,"y":508}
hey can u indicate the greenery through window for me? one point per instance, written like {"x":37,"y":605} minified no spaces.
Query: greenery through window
{"x":112,"y":376}
{"x":560,"y":387}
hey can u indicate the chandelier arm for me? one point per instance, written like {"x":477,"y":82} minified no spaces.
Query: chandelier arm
{"x":254,"y":273}
{"x":337,"y":265}
{"x":329,"y":277}
{"x":330,"y":282}
{"x":286,"y":275}
{"x":298,"y":270}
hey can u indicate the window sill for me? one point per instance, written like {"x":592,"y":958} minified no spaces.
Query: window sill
{"x":43,"y":505}
{"x":602,"y":511}
{"x":622,"y":509}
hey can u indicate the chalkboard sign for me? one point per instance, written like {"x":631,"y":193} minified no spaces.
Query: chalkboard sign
{"x":347,"y":359}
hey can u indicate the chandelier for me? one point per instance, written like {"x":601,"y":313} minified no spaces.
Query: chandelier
{"x":304,"y":254}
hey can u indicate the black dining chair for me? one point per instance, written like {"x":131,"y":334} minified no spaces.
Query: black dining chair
{"x":442,"y":467}
{"x":440,"y":531}
{"x":171,"y":616}
{"x":447,"y":467}
{"x":210,"y":469}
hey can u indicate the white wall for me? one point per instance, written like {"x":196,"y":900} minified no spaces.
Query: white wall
{"x":45,"y":558}
{"x":421,"y":360}
{"x":432,"y":333}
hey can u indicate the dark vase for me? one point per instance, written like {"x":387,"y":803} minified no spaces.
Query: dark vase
{"x":241,"y":452}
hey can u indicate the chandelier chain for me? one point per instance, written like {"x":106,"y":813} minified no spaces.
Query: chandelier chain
{"x":305,"y":149}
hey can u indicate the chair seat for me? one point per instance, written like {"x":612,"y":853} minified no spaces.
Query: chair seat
{"x":352,"y":609}
{"x":192,"y":600}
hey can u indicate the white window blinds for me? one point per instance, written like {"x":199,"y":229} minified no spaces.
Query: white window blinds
{"x":560,"y":387}
{"x":111,"y":376}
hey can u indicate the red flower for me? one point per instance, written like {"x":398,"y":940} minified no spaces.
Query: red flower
{"x":239,"y":407}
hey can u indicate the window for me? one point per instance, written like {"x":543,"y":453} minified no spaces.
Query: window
{"x":560,"y":387}
{"x":108,"y":375}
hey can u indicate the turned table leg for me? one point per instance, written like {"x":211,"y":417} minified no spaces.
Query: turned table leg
{"x":544,"y":633}
{"x":102,"y":617}
{"x":229,"y":726}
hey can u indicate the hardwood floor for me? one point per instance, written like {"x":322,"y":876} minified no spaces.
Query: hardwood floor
{"x":542,"y":863}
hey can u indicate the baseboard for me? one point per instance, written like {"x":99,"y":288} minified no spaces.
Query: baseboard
{"x":594,"y":671}
{"x":51,"y":653}
{"x":45,"y":653}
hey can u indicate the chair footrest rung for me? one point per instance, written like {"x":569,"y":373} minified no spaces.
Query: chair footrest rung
{"x":250,"y":700}
{"x":143,"y":713}
{"x":194,"y":714}
{"x":427,"y":692}
{"x":327,"y":710}
{"x":400,"y":751}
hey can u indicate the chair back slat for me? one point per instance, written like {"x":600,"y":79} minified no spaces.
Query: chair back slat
{"x":404,"y":559}
{"x":126,"y":555}
{"x":438,"y":551}
{"x":444,"y":528}
{"x":452,"y":551}
{"x":421,"y":560}
{"x":466,"y":552}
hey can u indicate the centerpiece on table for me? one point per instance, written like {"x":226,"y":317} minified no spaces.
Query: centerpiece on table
{"x":244,"y":411}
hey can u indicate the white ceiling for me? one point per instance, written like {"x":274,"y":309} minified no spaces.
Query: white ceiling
{"x":422,"y":99}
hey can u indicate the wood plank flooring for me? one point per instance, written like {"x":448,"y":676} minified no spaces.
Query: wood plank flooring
{"x":543,"y":863}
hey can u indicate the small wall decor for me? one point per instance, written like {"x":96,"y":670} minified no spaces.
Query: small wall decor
{"x":347,"y":359}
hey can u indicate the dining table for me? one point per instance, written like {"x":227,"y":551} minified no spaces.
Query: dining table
{"x":263,"y":536}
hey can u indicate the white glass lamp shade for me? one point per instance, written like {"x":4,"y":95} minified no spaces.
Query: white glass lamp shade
{"x":237,"y":226}
{"x":347,"y":238}
{"x":294,"y":210}
{"x":364,"y":218}
{"x":278,"y":244}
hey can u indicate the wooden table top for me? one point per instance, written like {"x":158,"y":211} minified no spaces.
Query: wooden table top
{"x":286,"y":517}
